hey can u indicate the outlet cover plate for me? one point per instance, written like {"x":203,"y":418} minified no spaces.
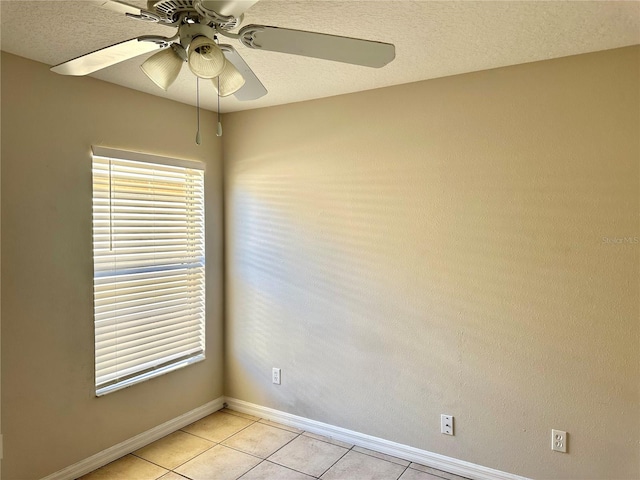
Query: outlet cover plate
{"x":559,"y":441}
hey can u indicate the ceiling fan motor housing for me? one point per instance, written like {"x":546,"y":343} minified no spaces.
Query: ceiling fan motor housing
{"x":170,"y":10}
{"x":211,"y":12}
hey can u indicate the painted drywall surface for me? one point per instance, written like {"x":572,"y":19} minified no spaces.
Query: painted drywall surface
{"x":0,"y":283}
{"x":51,"y":417}
{"x":466,"y":245}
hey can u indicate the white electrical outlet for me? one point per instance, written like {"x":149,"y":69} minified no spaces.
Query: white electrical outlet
{"x":559,"y":441}
{"x":275,"y":376}
{"x":446,"y":424}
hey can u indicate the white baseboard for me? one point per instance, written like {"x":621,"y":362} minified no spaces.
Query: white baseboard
{"x":132,"y":444}
{"x":423,"y":457}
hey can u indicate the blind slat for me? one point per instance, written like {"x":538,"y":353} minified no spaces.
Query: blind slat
{"x":120,"y":353}
{"x":109,"y":335}
{"x":105,"y":328}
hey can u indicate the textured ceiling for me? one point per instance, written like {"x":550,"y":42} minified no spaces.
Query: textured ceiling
{"x":432,"y":38}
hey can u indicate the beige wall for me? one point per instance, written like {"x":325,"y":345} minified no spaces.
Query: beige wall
{"x":50,"y":415}
{"x":438,"y":247}
{"x":1,"y":455}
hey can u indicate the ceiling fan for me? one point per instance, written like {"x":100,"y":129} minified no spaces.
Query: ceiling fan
{"x":200,"y":25}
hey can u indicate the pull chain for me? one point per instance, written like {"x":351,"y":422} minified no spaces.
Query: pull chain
{"x":198,"y":140}
{"x":110,"y":207}
{"x":219,"y":130}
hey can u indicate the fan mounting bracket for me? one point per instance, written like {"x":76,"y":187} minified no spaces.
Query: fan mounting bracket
{"x":247,"y":36}
{"x":145,"y":16}
{"x":162,"y":42}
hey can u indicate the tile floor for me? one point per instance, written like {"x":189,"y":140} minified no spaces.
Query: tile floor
{"x":229,"y":445}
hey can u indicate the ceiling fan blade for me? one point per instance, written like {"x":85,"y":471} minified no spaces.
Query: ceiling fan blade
{"x":318,"y":45}
{"x":228,"y":8}
{"x":105,"y":57}
{"x":117,"y":6}
{"x":127,"y":9}
{"x":252,"y":88}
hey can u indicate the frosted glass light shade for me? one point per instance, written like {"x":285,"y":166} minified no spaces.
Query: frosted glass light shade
{"x":230,"y":80}
{"x":205,"y":59}
{"x":163,"y":67}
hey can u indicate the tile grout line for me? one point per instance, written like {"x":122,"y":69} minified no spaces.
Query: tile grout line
{"x":279,"y":465}
{"x":275,"y":425}
{"x":177,"y":466}
{"x":269,"y":423}
{"x":252,"y":468}
{"x":456,"y":477}
{"x":179,"y":474}
{"x":196,"y":456}
{"x":294,"y":438}
{"x":341,"y":457}
{"x":403,"y":472}
{"x":253,"y":454}
{"x":266,"y":459}
{"x":379,"y":458}
{"x":225,"y":438}
{"x":347,"y":450}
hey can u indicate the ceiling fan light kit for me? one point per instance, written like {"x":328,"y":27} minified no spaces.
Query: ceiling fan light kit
{"x":229,"y":81}
{"x":205,"y":59}
{"x":163,"y":67}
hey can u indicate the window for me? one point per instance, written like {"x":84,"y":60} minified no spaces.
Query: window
{"x":148,"y":259}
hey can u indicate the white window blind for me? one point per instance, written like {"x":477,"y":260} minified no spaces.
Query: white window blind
{"x":148,"y":251}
